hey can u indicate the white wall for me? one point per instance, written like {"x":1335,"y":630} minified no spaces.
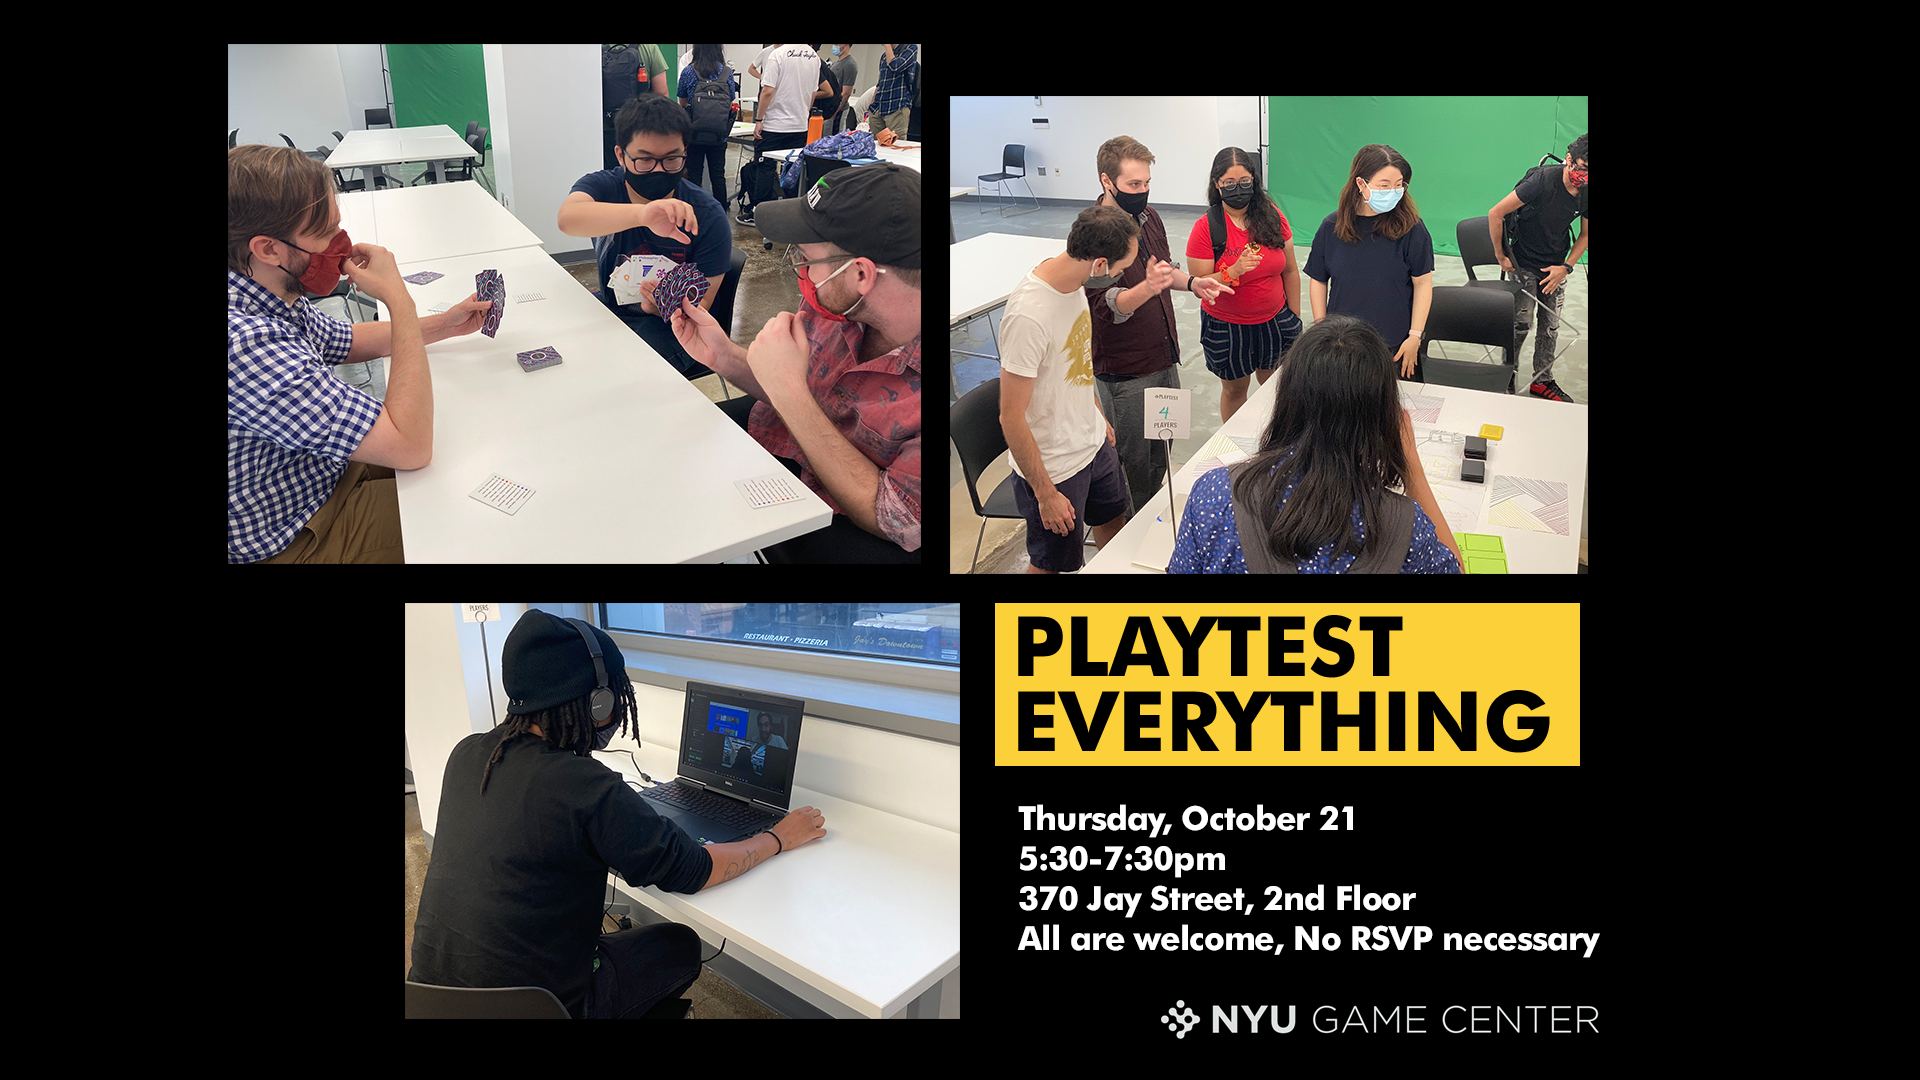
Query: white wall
{"x":544,"y":102}
{"x":1184,"y":134}
{"x":296,"y":89}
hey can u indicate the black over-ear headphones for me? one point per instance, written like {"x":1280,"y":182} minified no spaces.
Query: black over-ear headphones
{"x":602,"y":699}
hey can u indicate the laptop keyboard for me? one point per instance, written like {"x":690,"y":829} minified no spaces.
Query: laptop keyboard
{"x":719,"y":808}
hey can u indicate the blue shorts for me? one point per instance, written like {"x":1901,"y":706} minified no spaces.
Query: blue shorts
{"x":1098,"y":494}
{"x":1234,"y":350}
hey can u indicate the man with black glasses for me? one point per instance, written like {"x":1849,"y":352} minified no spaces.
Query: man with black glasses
{"x":649,"y":212}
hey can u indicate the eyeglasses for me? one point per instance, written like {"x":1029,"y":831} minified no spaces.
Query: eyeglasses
{"x":673,"y":162}
{"x":1242,"y":188}
{"x":795,"y":262}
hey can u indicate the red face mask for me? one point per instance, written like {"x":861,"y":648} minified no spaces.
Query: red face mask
{"x":810,"y":293}
{"x":323,"y":270}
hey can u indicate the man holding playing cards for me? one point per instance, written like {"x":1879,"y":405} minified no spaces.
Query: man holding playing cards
{"x":310,"y":459}
{"x":836,"y":384}
{"x":651,"y":217}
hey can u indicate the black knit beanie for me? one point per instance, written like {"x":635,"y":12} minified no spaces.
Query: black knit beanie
{"x":545,"y":664}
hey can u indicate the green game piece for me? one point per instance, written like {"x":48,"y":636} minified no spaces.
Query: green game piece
{"x":1483,"y":553}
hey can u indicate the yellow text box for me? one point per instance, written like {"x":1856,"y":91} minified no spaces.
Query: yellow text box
{"x":1459,"y":661}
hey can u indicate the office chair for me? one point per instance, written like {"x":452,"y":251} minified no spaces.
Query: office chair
{"x":491,"y":1003}
{"x":509,"y":1003}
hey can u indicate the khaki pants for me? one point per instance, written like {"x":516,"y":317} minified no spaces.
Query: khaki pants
{"x":896,"y":120}
{"x":359,"y":522}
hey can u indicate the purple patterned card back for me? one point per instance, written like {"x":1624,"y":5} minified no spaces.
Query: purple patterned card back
{"x":491,"y":288}
{"x":683,"y":280}
{"x":534,"y":359}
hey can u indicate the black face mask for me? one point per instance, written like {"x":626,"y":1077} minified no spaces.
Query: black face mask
{"x":1238,"y":196}
{"x":657,"y":184}
{"x":1131,"y":202}
{"x":603,"y":736}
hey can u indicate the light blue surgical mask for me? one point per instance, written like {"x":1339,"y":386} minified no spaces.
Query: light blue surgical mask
{"x":1383,"y":201}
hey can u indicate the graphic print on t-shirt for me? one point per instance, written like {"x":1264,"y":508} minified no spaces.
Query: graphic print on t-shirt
{"x":1080,"y":372}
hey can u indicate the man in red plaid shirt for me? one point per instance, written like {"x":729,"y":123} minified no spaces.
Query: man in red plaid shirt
{"x":836,"y":386}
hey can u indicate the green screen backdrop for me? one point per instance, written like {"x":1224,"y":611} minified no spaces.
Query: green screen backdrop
{"x":1466,"y":152}
{"x":438,"y":84}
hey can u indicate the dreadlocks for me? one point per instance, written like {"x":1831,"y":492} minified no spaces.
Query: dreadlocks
{"x":568,"y":725}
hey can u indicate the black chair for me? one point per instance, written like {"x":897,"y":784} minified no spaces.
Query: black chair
{"x":491,"y":1003}
{"x":1478,"y":316}
{"x":1013,"y":157}
{"x":473,"y":168}
{"x":509,"y":1003}
{"x":975,"y":423}
{"x":317,"y":155}
{"x":1476,"y":249}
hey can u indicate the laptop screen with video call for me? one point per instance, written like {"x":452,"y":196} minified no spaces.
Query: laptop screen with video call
{"x":741,"y":742}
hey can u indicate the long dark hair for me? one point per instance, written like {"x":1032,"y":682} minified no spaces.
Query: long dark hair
{"x":568,"y":725}
{"x":1263,"y":218}
{"x":1393,"y":224}
{"x":1335,"y":435}
{"x":706,"y":64}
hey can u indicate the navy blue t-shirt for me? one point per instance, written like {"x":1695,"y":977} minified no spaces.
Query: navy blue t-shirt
{"x":1372,"y":279}
{"x":712,"y":248}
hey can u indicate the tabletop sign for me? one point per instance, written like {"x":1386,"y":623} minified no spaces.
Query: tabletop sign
{"x":1167,"y":412}
{"x":480,"y":612}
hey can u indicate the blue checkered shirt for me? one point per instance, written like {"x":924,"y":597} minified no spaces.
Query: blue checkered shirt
{"x":896,"y":83}
{"x":290,"y":421}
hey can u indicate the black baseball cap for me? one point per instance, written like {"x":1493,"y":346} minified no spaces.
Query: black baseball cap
{"x":868,"y":210}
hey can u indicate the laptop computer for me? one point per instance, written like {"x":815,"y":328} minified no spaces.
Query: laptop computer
{"x":736,"y":763}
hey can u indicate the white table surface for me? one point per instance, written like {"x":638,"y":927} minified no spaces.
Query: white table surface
{"x":432,"y":221}
{"x":988,"y":266}
{"x":389,"y":146}
{"x":629,"y":463}
{"x":860,"y":921}
{"x":1545,"y":440}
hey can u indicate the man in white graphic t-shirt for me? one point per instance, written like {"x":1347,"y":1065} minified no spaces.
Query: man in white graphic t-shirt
{"x":1066,"y":470}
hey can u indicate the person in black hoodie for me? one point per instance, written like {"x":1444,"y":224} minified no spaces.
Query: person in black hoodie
{"x":529,"y":826}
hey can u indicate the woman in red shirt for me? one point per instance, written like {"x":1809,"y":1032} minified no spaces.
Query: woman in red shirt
{"x":1251,"y":328}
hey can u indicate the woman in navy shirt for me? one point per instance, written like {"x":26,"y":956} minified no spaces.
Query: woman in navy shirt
{"x":1337,"y":440}
{"x":1377,"y":254}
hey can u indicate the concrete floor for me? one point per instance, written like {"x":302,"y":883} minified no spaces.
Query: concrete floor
{"x":1004,"y":549}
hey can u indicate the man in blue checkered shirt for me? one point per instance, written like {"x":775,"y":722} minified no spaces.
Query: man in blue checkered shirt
{"x":893,"y":98}
{"x":310,"y":459}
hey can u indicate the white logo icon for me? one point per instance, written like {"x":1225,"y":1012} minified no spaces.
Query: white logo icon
{"x":1180,"y":1017}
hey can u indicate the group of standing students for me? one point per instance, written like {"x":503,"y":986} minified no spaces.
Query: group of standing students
{"x":1317,"y":487}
